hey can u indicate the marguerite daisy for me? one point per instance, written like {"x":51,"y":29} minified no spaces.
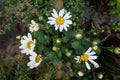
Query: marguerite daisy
{"x":27,"y":44}
{"x":35,"y":60}
{"x":33,"y":26}
{"x":88,"y":56}
{"x":60,"y":20}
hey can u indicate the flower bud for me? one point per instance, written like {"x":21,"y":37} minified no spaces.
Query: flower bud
{"x":18,"y":37}
{"x":47,"y":13}
{"x":68,"y":54}
{"x":40,"y":18}
{"x":94,"y":33}
{"x":95,"y":47}
{"x":100,"y":76}
{"x":117,"y":50}
{"x":58,"y":41}
{"x":78,"y":36}
{"x":94,"y":43}
{"x":54,"y":48}
{"x":74,"y":24}
{"x":80,"y":73}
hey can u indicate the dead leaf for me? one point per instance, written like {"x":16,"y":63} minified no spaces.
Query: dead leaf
{"x":59,"y":4}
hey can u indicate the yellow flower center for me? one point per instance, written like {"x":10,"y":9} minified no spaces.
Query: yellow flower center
{"x":37,"y":58}
{"x":30,"y":44}
{"x":84,"y":57}
{"x":60,"y":20}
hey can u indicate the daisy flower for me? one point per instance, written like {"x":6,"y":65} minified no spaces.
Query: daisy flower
{"x":60,"y":20}
{"x":27,"y":44}
{"x":35,"y":60}
{"x":88,"y":56}
{"x":33,"y":26}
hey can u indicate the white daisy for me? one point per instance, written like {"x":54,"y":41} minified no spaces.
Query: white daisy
{"x":33,"y":26}
{"x":35,"y":60}
{"x":27,"y":44}
{"x":60,"y":20}
{"x":88,"y":56}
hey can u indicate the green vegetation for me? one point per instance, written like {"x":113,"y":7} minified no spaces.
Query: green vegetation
{"x":95,"y":24}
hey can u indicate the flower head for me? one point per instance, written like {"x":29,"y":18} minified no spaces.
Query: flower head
{"x":27,"y":44}
{"x":33,"y":26}
{"x":88,"y":56}
{"x":60,"y":20}
{"x":35,"y":60}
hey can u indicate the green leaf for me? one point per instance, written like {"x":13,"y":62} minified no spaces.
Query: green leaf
{"x":112,"y":3}
{"x":75,"y":44}
{"x":52,"y":57}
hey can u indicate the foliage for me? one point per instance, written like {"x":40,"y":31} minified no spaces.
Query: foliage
{"x":59,"y":48}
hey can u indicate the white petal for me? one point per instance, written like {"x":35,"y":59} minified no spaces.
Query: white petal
{"x":22,"y":41}
{"x":67,"y":15}
{"x":91,"y":53}
{"x":87,"y":65}
{"x":24,"y":51}
{"x":37,"y":64}
{"x":33,"y":54}
{"x":25,"y":38}
{"x":65,"y":27}
{"x":51,"y":22}
{"x":77,"y":58}
{"x":88,"y":51}
{"x":68,"y":22}
{"x":96,"y":65}
{"x":31,"y":58}
{"x":61,"y":28}
{"x":56,"y":27}
{"x":32,"y":21}
{"x":93,"y":57}
{"x":51,"y":18}
{"x":29,"y":36}
{"x":54,"y":14}
{"x":61,"y":13}
{"x":22,"y":47}
{"x":31,"y":64}
{"x":34,"y":41}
